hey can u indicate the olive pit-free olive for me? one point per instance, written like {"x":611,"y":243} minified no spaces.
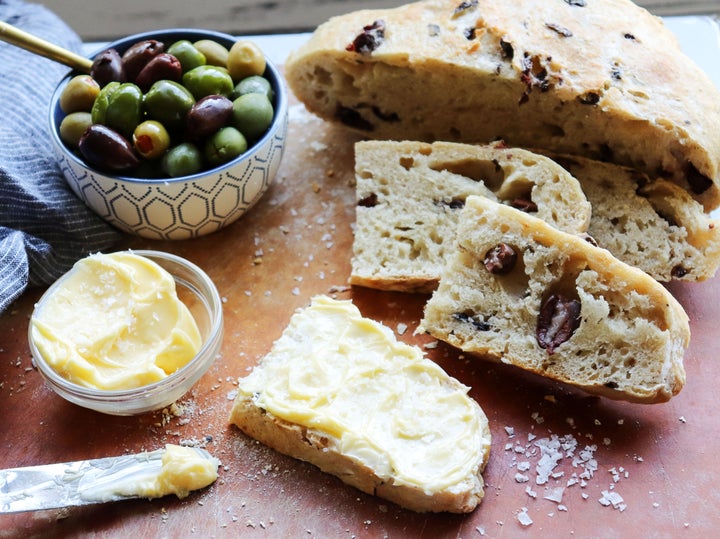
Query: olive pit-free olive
{"x":188,"y":55}
{"x":168,"y":102}
{"x":79,"y":94}
{"x":208,"y":80}
{"x":151,"y":139}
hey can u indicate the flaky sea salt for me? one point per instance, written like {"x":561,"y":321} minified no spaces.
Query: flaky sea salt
{"x":524,"y":518}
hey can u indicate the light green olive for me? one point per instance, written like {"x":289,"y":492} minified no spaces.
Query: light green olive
{"x":208,"y":80}
{"x":215,"y":53}
{"x":188,"y":55}
{"x":79,"y":94}
{"x":151,"y":139}
{"x":73,"y":126}
{"x":225,"y":145}
{"x":252,"y":115}
{"x":255,"y":84}
{"x":182,"y":160}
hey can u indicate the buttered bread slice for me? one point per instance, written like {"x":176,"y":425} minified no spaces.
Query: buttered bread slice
{"x":339,"y":391}
{"x":599,"y":78}
{"x":410,"y":194}
{"x":519,"y":291}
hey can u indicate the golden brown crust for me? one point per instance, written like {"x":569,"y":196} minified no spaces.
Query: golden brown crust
{"x":605,"y":79}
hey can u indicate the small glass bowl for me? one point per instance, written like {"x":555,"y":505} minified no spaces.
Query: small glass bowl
{"x":199,"y":293}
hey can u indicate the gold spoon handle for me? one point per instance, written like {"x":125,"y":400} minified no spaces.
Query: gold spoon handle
{"x":44,"y":48}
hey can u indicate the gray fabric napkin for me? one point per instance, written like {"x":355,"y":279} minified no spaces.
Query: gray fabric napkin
{"x":44,"y":227}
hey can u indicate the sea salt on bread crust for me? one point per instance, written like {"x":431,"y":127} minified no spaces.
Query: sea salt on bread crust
{"x":339,"y":391}
{"x":603,"y":79}
{"x":565,"y":309}
{"x":409,"y":195}
{"x":651,"y":224}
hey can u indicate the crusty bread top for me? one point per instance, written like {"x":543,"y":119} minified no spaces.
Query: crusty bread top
{"x":378,"y":402}
{"x":612,"y":55}
{"x":625,"y":341}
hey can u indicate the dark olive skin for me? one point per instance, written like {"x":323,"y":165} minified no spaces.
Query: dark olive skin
{"x":107,"y":150}
{"x":108,"y":67}
{"x":138,"y":55}
{"x":207,"y":116}
{"x":163,"y":67}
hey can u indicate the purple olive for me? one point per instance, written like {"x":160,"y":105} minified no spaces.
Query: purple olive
{"x":106,"y":149}
{"x":163,"y":66}
{"x":207,"y":116}
{"x":138,"y":55}
{"x":107,"y":67}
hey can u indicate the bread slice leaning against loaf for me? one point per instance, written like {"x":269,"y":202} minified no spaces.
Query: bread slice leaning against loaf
{"x":410,"y":194}
{"x":603,"y":79}
{"x":339,"y":391}
{"x":647,"y":222}
{"x":519,"y":291}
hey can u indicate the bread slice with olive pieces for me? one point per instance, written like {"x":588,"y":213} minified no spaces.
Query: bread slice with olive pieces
{"x":339,"y":391}
{"x":603,"y":79}
{"x":409,"y":195}
{"x":647,"y":222}
{"x":519,"y":291}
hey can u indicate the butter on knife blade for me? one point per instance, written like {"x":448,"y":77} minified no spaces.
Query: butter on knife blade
{"x":172,"y":470}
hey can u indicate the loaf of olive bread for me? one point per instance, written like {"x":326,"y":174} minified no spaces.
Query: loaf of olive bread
{"x":519,"y":291}
{"x":409,"y":195}
{"x":602,"y":78}
{"x":646,"y":222}
{"x":339,"y":391}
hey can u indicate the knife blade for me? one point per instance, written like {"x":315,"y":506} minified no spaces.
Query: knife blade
{"x":68,"y":484}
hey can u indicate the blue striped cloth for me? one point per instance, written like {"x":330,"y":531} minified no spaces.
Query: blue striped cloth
{"x":44,"y":227}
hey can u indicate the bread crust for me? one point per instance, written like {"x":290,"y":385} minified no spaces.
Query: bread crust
{"x":604,"y":79}
{"x":632,"y":333}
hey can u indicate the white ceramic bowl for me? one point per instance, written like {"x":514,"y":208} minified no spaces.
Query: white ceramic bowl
{"x":199,"y":293}
{"x":184,"y":207}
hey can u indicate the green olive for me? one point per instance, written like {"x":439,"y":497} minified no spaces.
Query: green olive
{"x":245,"y":59}
{"x":182,"y":160}
{"x":215,"y":53}
{"x":168,"y":102}
{"x":100,"y":105}
{"x":252,"y":115}
{"x":124,"y":109}
{"x":254,"y":84}
{"x":73,"y":126}
{"x":208,"y":80}
{"x":151,"y":139}
{"x":188,"y":55}
{"x":224,"y":145}
{"x":79,"y":94}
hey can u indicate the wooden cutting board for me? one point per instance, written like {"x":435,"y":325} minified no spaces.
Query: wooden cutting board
{"x":649,"y":471}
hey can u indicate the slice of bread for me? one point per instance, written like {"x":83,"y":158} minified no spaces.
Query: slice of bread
{"x":651,"y":224}
{"x":603,"y":79}
{"x":409,"y":195}
{"x":339,"y":391}
{"x":519,"y":291}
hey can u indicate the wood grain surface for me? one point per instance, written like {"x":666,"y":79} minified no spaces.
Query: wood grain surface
{"x":294,"y":244}
{"x":103,"y":20}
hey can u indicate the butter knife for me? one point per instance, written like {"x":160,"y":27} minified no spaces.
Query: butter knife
{"x":109,"y":479}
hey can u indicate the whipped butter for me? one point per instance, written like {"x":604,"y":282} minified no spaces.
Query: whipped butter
{"x":115,"y":322}
{"x":383,"y":403}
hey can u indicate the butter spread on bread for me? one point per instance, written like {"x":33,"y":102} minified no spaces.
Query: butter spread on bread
{"x":519,"y":291}
{"x":409,"y":195}
{"x":339,"y":391}
{"x":602,"y":78}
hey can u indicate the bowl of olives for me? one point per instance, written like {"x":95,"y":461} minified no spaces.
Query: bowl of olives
{"x":174,"y":134}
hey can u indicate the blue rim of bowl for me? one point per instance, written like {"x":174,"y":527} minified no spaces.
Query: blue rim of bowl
{"x":280,"y":101}
{"x":214,"y":340}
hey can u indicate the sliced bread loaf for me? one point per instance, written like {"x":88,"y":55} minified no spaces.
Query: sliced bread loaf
{"x":519,"y":291}
{"x":409,"y":196}
{"x":339,"y":391}
{"x":651,"y":224}
{"x":603,"y":79}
